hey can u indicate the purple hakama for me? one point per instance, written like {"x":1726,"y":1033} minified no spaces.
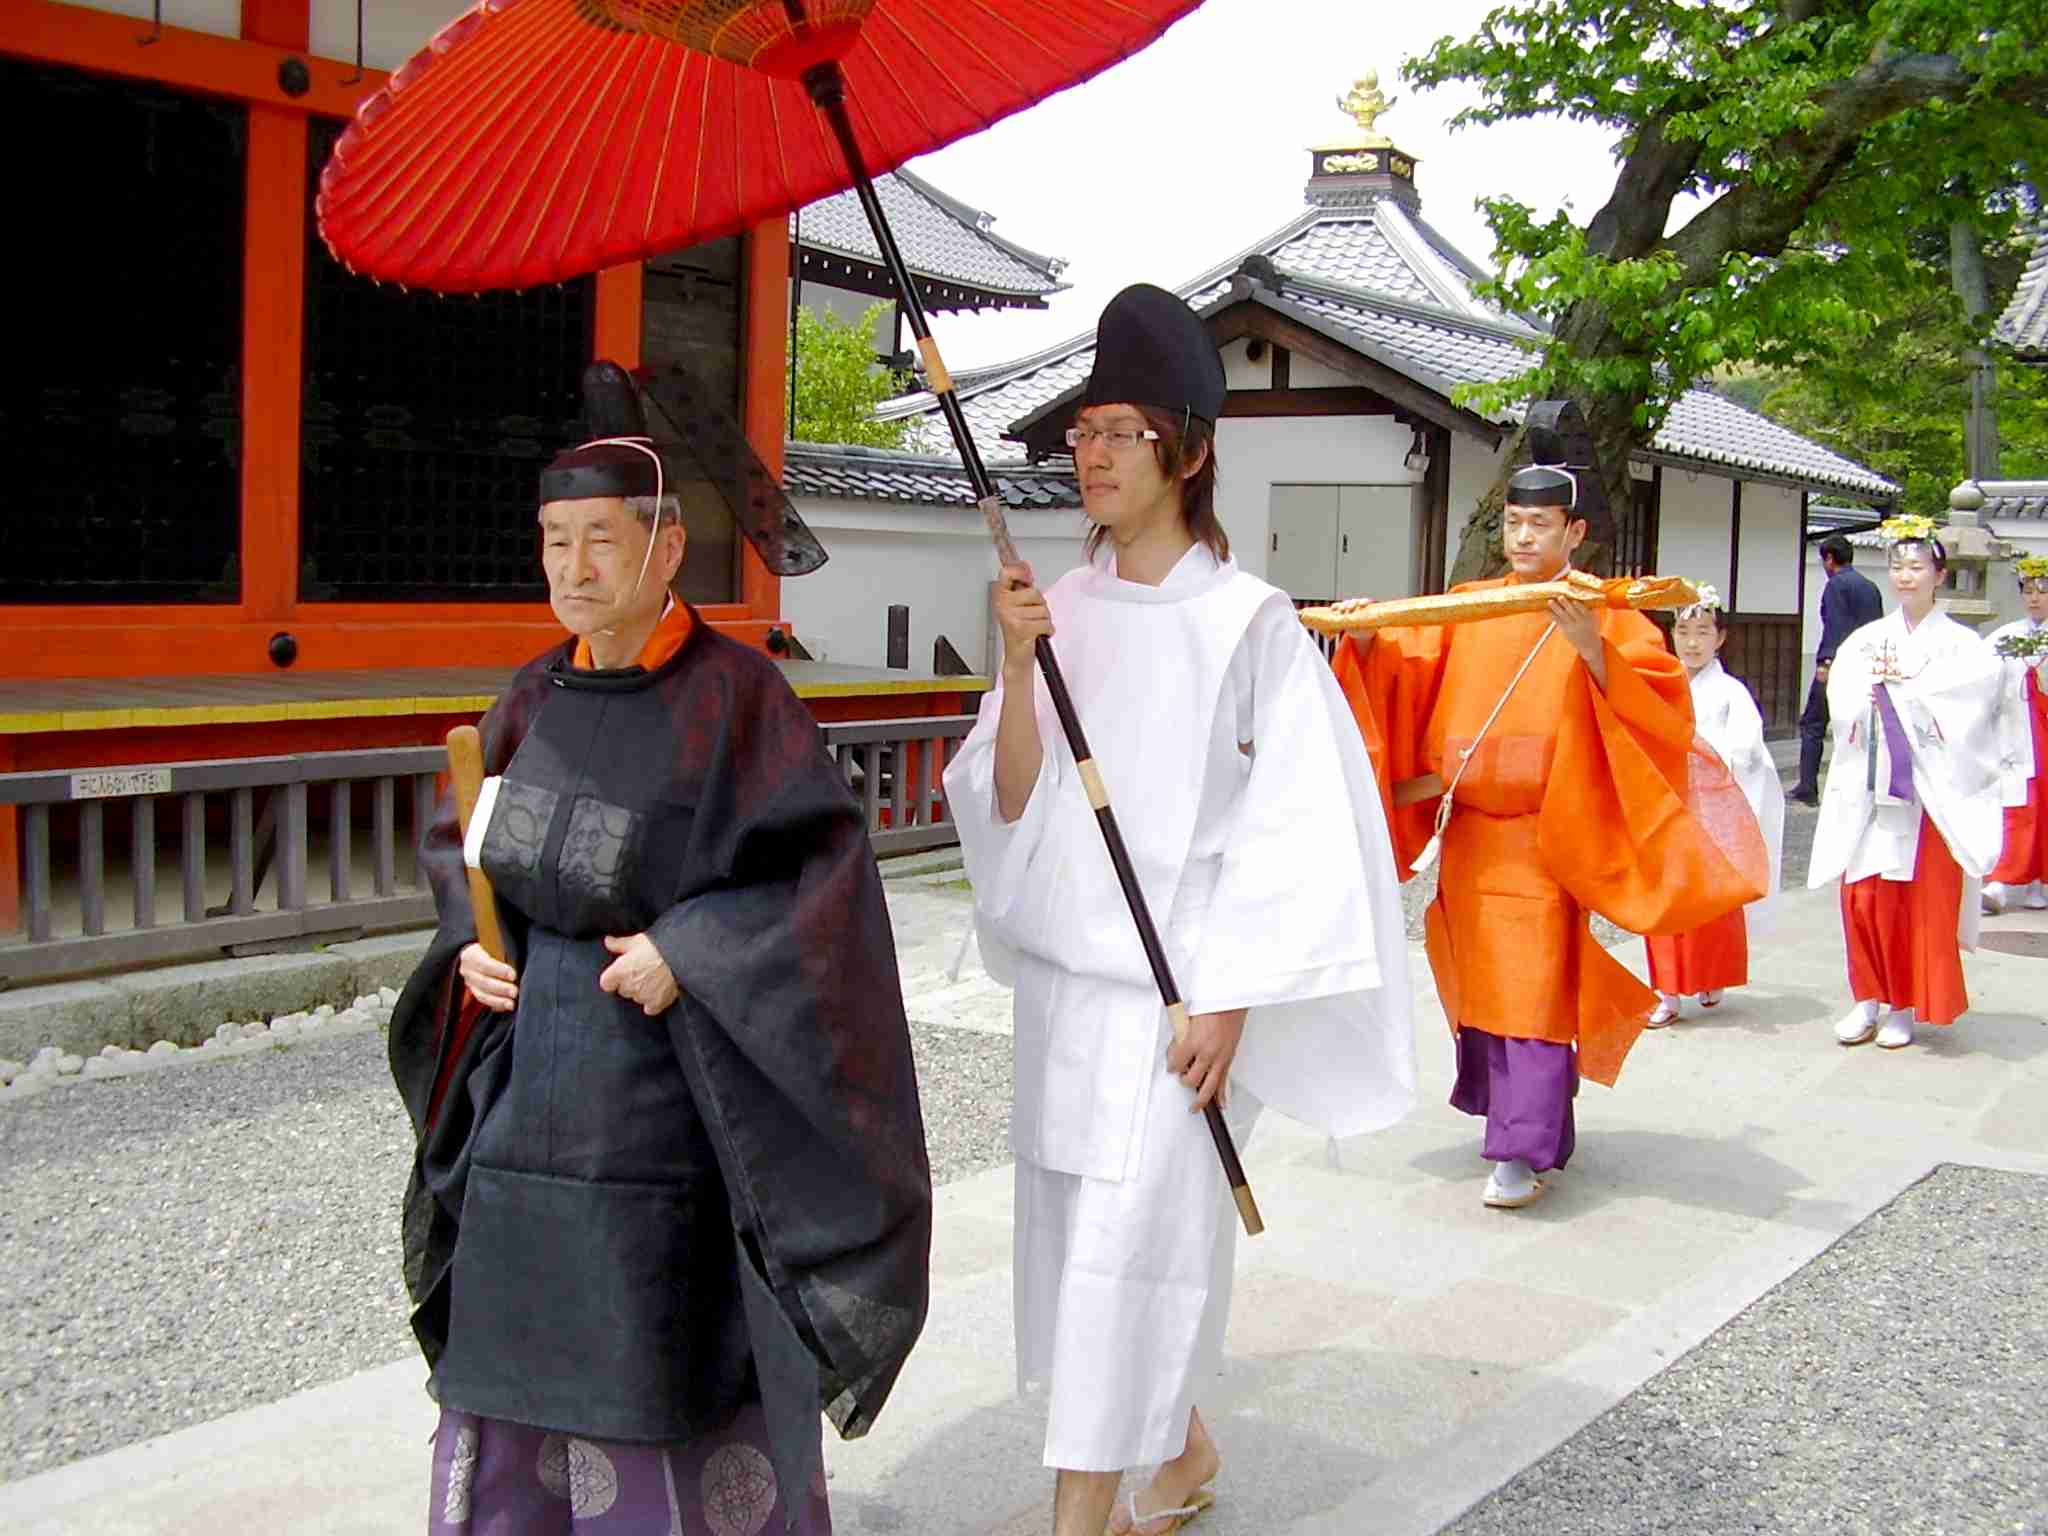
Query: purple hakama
{"x":493,"y":1478}
{"x":1525,"y":1090}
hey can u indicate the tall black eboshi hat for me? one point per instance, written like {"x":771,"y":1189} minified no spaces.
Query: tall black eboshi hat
{"x":606,"y":466}
{"x":1542,"y":485}
{"x":1150,"y":349}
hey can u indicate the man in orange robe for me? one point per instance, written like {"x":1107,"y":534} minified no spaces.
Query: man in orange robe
{"x":1565,"y":739}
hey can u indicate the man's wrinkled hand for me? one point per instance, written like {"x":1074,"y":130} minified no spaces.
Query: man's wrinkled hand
{"x":639,"y":974}
{"x":491,"y":982}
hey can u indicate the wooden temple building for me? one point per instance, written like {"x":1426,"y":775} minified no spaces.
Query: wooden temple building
{"x":263,"y":507}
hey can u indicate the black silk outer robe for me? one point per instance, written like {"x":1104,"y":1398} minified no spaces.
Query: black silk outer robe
{"x":625,"y":1227}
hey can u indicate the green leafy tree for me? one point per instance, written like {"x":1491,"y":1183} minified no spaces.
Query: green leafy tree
{"x":1898,"y":402}
{"x":1816,"y":137}
{"x":839,"y":383}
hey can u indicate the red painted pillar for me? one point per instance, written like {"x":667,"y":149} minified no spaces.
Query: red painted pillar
{"x":10,"y":851}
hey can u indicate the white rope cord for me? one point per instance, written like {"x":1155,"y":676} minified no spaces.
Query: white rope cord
{"x":1434,"y":846}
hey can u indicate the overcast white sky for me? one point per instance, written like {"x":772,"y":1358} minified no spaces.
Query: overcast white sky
{"x":1181,"y":156}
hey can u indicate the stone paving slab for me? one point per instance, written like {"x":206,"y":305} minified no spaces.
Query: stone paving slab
{"x":1893,"y":1384}
{"x":1397,"y":1352}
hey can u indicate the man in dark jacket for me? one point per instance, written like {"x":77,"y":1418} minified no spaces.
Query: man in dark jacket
{"x":1849,"y":602}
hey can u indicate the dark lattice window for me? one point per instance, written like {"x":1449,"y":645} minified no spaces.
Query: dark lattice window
{"x":427,"y":422}
{"x":120,"y":401}
{"x":1635,"y":533}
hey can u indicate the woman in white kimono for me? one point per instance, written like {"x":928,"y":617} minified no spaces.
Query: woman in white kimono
{"x":1703,"y":964}
{"x":2022,"y":646}
{"x":1912,"y":818}
{"x":1243,"y":793}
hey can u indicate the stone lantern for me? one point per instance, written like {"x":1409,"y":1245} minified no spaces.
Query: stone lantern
{"x":1971,"y":552}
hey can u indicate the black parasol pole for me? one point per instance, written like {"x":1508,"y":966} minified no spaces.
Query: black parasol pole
{"x":827,"y":87}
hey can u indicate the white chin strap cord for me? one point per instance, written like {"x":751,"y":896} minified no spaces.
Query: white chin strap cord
{"x":644,"y":445}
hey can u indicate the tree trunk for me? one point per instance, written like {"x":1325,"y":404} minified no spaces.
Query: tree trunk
{"x":1980,"y":421}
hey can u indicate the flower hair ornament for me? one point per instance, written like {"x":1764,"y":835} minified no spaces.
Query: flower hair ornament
{"x":1912,"y":528}
{"x":2031,"y":568}
{"x":1709,"y":602}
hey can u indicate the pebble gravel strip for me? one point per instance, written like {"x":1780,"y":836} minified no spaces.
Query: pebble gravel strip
{"x":1895,"y":1386}
{"x":183,"y":1244}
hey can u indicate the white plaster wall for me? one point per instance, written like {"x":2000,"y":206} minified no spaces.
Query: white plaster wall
{"x":845,"y":304}
{"x":1307,"y":373}
{"x":1255,"y":454}
{"x":1474,"y":468}
{"x":222,"y":18}
{"x":1693,"y":525}
{"x":936,"y":561}
{"x":1240,"y":372}
{"x":393,"y":30}
{"x":1771,"y":549}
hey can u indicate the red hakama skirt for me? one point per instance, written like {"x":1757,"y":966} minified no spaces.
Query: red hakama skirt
{"x":1707,"y":959}
{"x":1903,"y":950}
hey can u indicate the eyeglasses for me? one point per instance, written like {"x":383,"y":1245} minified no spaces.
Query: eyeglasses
{"x":1120,"y":439}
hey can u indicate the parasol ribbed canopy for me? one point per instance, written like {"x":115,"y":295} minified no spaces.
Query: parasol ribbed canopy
{"x":537,"y":140}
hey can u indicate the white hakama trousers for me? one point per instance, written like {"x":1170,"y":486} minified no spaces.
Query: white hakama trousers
{"x":1123,"y":1288}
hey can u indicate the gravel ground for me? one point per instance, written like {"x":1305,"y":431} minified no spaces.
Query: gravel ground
{"x":187,"y":1243}
{"x":1894,"y":1386}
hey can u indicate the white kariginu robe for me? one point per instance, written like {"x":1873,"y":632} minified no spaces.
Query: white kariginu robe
{"x":1271,"y":879}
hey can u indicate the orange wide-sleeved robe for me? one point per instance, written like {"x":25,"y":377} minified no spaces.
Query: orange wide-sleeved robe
{"x":1576,"y":799}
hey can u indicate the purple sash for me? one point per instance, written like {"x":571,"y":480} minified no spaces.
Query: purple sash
{"x":1897,"y":745}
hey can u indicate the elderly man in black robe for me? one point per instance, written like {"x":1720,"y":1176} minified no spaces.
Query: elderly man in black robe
{"x":671,"y":1196}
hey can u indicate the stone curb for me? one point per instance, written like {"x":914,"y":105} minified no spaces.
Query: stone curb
{"x":52,"y":1067}
{"x":185,"y":1004}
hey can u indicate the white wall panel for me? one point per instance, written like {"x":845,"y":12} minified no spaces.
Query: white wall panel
{"x":1693,"y":524}
{"x":1771,"y":552}
{"x":1253,"y":454}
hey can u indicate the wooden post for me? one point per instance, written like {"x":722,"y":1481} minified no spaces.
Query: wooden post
{"x":10,"y":852}
{"x":899,"y":638}
{"x":616,"y":327}
{"x":764,"y":266}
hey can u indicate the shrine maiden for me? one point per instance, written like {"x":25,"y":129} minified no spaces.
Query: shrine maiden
{"x":1242,"y":792}
{"x":1913,"y":816}
{"x":2023,"y":746}
{"x":1707,"y":961}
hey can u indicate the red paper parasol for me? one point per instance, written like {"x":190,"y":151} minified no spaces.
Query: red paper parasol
{"x":534,"y":140}
{"x":540,"y":139}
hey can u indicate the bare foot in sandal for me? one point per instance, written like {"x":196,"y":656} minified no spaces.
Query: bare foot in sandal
{"x":1174,"y":1486}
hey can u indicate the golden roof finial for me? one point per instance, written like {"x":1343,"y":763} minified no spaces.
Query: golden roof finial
{"x":1365,"y":105}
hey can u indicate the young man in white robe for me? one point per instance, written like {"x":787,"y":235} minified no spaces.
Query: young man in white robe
{"x":2023,"y":740}
{"x":1912,"y":817}
{"x":1703,"y":964}
{"x":1243,"y":793}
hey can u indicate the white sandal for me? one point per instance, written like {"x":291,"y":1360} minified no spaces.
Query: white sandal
{"x":1199,"y":1500}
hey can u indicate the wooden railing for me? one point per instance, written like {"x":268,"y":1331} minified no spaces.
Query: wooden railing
{"x":249,"y":831}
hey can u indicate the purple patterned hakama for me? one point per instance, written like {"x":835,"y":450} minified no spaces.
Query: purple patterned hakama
{"x":492,"y":1478}
{"x":1525,"y":1089}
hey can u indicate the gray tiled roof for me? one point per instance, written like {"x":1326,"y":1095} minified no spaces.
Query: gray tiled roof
{"x":2015,"y":498}
{"x":940,"y":237}
{"x":2024,"y":325}
{"x":881,"y":474}
{"x":1442,"y":350}
{"x":1425,"y":325}
{"x":1380,"y":246}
